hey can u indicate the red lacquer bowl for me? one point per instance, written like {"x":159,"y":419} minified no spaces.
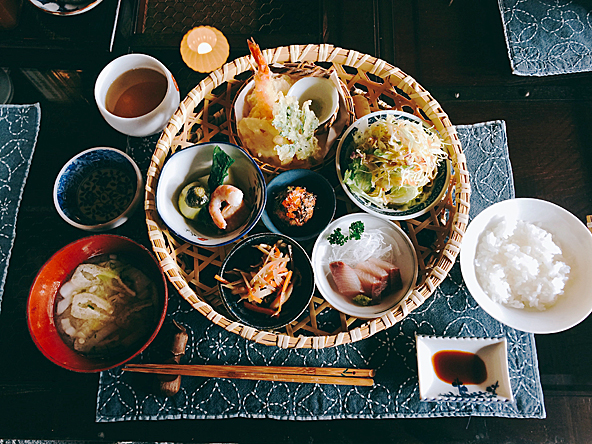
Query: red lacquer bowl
{"x":40,"y":306}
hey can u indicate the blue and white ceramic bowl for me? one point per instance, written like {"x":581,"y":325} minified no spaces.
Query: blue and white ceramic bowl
{"x":436,"y":190}
{"x":189,"y":164}
{"x":65,"y":7}
{"x":98,"y":189}
{"x":324,"y":208}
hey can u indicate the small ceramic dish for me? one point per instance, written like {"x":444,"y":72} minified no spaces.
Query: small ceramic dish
{"x":404,"y":257}
{"x":189,"y":164}
{"x":575,"y":241}
{"x":324,"y":208}
{"x":321,"y":92}
{"x":435,"y":191}
{"x":98,"y":189}
{"x":242,"y":257}
{"x":481,"y":362}
{"x":41,"y":318}
{"x":65,"y":7}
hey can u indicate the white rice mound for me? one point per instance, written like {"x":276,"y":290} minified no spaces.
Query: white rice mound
{"x":518,"y":265}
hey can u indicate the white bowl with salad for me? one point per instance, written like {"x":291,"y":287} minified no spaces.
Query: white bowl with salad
{"x":393,"y":164}
{"x":364,"y":265}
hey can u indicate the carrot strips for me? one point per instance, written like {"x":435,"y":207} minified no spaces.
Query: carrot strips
{"x":268,"y":286}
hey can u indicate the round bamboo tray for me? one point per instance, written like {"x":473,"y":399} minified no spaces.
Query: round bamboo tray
{"x":204,"y":116}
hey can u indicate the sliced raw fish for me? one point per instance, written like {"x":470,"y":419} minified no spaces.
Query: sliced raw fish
{"x":372,"y":269}
{"x":346,"y":279}
{"x":373,"y":286}
{"x":394,"y":272}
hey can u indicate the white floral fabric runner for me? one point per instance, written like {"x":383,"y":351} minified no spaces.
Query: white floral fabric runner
{"x":19,"y":126}
{"x":548,"y":37}
{"x":451,"y":311}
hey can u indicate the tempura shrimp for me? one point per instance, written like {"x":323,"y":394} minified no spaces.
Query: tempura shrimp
{"x":264,"y":94}
{"x":227,"y":206}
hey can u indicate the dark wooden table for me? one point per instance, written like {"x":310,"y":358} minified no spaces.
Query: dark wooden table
{"x":456,"y":50}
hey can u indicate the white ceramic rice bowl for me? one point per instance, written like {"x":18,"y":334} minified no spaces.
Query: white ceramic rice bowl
{"x":190,"y":163}
{"x":575,"y":241}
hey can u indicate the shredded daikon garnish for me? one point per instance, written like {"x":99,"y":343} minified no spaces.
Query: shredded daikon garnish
{"x":370,"y":244}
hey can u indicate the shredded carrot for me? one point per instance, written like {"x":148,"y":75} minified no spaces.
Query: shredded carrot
{"x":271,"y":277}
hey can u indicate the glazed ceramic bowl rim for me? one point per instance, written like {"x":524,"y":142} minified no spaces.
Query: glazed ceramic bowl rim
{"x":390,"y":214}
{"x":113,"y":223}
{"x":268,"y":222}
{"x":157,"y":327}
{"x":89,"y":5}
{"x":240,"y":245}
{"x":241,"y":233}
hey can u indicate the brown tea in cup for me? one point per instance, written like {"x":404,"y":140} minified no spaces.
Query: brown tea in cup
{"x":136,"y":92}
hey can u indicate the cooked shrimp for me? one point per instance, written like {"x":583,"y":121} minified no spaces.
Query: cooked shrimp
{"x":264,"y":95}
{"x":226,"y":201}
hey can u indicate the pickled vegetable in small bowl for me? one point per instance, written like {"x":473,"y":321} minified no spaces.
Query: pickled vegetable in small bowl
{"x":300,"y":204}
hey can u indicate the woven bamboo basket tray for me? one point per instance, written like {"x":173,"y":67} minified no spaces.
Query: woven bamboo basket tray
{"x":204,"y":115}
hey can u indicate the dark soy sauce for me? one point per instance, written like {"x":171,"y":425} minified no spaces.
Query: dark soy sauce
{"x":452,"y":365}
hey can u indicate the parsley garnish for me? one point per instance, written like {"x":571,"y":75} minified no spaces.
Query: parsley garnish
{"x":356,"y":229}
{"x":355,"y":232}
{"x":337,"y":237}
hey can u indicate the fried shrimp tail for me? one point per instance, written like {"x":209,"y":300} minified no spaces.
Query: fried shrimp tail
{"x":265,"y":94}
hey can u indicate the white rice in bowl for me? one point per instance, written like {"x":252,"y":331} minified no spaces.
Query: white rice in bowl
{"x":518,"y":264}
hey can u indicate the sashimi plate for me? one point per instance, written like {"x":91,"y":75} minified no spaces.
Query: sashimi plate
{"x":404,"y":257}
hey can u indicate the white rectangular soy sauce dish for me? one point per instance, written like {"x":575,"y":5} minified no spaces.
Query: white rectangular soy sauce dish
{"x":492,"y":352}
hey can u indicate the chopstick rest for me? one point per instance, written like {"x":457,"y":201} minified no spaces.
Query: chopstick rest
{"x":312,"y":375}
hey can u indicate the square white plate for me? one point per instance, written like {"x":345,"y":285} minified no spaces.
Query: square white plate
{"x":493,"y":353}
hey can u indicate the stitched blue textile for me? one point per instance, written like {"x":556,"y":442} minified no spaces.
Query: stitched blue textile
{"x":451,"y":311}
{"x":547,"y":37}
{"x":19,"y":126}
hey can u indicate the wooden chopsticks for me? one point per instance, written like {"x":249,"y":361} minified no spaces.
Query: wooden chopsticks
{"x":314,"y":375}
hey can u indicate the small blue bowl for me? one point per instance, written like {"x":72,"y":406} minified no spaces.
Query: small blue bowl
{"x":98,"y":189}
{"x":324,"y":208}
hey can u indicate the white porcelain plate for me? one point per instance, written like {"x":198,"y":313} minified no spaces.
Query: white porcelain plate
{"x":404,"y":257}
{"x":491,"y":351}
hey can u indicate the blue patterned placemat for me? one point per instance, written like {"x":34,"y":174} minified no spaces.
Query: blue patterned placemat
{"x":19,"y":126}
{"x":547,"y":37}
{"x":451,"y":311}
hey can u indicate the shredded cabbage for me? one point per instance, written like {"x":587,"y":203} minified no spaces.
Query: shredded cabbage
{"x":393,"y":160}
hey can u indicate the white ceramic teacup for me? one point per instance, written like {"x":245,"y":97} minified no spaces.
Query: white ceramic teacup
{"x":147,"y":124}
